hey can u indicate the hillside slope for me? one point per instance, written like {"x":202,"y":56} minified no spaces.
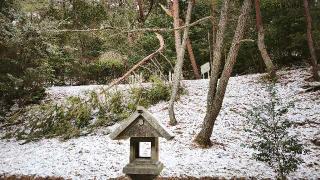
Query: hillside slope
{"x":98,"y":156}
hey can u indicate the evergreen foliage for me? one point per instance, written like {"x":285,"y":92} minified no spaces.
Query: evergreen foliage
{"x":75,"y":55}
{"x":272,"y":140}
{"x":24,"y":67}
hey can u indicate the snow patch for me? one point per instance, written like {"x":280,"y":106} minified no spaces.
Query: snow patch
{"x":97,"y":156}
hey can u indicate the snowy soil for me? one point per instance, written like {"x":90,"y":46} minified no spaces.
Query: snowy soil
{"x":96,"y":156}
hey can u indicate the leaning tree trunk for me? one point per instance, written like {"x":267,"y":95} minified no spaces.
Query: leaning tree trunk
{"x":180,"y":50}
{"x":261,"y":45}
{"x":217,"y":91}
{"x":315,"y":66}
{"x":193,"y":60}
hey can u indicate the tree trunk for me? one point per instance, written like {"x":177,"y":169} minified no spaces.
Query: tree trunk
{"x":193,"y":60}
{"x":214,"y":75}
{"x":212,"y":35}
{"x":218,"y":44}
{"x":217,"y":90}
{"x":261,"y":45}
{"x":180,"y":50}
{"x":314,"y":62}
{"x":176,"y":24}
{"x":214,"y":28}
{"x":140,"y":9}
{"x":189,"y":46}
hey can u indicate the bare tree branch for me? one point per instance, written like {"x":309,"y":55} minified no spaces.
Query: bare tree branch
{"x":124,"y":30}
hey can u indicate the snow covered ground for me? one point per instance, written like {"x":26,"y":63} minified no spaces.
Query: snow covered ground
{"x":96,"y":156}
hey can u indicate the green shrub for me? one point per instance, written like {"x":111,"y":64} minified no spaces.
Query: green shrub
{"x":80,"y":115}
{"x":138,"y":97}
{"x":111,"y":65}
{"x":79,"y":111}
{"x":115,"y":103}
{"x":159,"y":91}
{"x":24,"y":68}
{"x":271,"y":139}
{"x":22,"y":75}
{"x":51,"y":120}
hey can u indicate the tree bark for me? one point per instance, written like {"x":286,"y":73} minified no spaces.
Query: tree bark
{"x":214,"y":28}
{"x":176,"y":24}
{"x":142,"y":15}
{"x":141,"y":11}
{"x":218,"y":44}
{"x":314,"y":62}
{"x":217,"y":90}
{"x":180,"y":50}
{"x":261,"y":45}
{"x":214,"y":75}
{"x":189,"y":46}
{"x":193,"y":60}
{"x":191,"y":56}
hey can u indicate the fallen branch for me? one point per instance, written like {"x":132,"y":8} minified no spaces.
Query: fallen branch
{"x":167,"y":60}
{"x":144,"y":60}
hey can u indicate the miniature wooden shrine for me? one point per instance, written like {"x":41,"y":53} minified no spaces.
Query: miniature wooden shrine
{"x":141,"y":127}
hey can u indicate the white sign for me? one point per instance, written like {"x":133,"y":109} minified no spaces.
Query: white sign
{"x":205,"y":68}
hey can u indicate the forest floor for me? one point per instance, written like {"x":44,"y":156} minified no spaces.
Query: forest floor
{"x":97,"y":156}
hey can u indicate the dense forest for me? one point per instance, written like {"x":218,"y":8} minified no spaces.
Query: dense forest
{"x":77,"y":42}
{"x":48,"y":44}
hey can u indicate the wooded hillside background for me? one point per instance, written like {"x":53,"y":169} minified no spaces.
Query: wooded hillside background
{"x":77,"y":42}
